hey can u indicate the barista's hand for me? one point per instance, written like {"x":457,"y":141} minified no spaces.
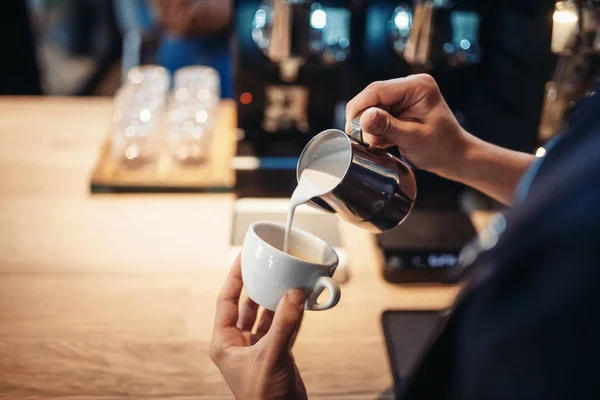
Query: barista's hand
{"x":257,"y":365}
{"x":417,"y":120}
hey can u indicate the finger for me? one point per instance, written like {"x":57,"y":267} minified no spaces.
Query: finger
{"x":227,"y":303}
{"x":285,"y":322}
{"x":264,"y":323}
{"x":248,"y":311}
{"x":379,"y":123}
{"x":295,"y":335}
{"x":374,"y":95}
{"x":173,"y":11}
{"x":186,"y":19}
{"x":199,"y":16}
{"x":169,"y":9}
{"x":375,"y":141}
{"x":178,"y":5}
{"x":400,"y":92}
{"x":163,"y":7}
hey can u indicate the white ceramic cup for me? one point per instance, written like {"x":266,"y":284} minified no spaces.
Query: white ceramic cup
{"x":269,"y":273}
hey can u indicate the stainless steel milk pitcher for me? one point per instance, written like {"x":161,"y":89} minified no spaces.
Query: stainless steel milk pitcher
{"x":377,"y":190}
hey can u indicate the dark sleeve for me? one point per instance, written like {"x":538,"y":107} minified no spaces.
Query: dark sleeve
{"x":532,"y":331}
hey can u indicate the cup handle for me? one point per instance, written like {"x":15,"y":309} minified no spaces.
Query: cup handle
{"x":324,"y":282}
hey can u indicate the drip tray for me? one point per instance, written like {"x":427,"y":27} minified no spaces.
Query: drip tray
{"x":325,"y":226}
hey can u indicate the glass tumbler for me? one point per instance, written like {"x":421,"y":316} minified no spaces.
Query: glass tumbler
{"x":135,"y":125}
{"x":200,"y":84}
{"x":192,"y":114}
{"x":135,"y":144}
{"x":190,"y":143}
{"x":150,"y":78}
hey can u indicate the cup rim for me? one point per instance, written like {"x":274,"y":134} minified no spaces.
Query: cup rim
{"x":302,"y":232}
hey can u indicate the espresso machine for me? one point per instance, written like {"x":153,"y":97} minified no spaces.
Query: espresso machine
{"x":293,"y":70}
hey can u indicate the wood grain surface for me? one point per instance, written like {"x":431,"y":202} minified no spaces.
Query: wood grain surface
{"x":112,"y":296}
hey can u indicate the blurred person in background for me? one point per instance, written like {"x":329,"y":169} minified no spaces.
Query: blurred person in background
{"x":75,"y":43}
{"x":79,"y":43}
{"x":197,"y":33}
{"x":189,"y":32}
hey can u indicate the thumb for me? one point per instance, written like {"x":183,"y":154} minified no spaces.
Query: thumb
{"x":379,"y":123}
{"x":286,"y":321}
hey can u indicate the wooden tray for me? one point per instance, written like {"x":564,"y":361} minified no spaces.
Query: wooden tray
{"x":216,"y":175}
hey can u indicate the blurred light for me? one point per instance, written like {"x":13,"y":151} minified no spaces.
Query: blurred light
{"x":402,"y":20}
{"x":130,"y":131}
{"x":332,"y":40}
{"x":565,"y":16}
{"x":260,"y":19}
{"x":117,"y":115}
{"x":329,"y":56}
{"x":181,"y":94}
{"x":465,"y":44}
{"x":145,"y":115}
{"x":540,"y":152}
{"x":318,"y":19}
{"x":203,"y":95}
{"x":263,"y":43}
{"x":132,"y":152}
{"x":136,"y":76}
{"x":208,"y":73}
{"x":182,"y":153}
{"x":201,"y":116}
{"x":448,"y":48}
{"x":197,"y":133}
{"x":195,"y":151}
{"x":246,"y":98}
{"x":344,"y":43}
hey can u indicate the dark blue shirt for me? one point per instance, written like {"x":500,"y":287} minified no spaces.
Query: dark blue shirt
{"x":525,"y":326}
{"x":176,"y":52}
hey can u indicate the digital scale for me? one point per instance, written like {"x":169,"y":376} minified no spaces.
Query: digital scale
{"x":426,"y":246}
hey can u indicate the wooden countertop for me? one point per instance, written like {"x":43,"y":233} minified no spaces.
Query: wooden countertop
{"x":112,"y":296}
